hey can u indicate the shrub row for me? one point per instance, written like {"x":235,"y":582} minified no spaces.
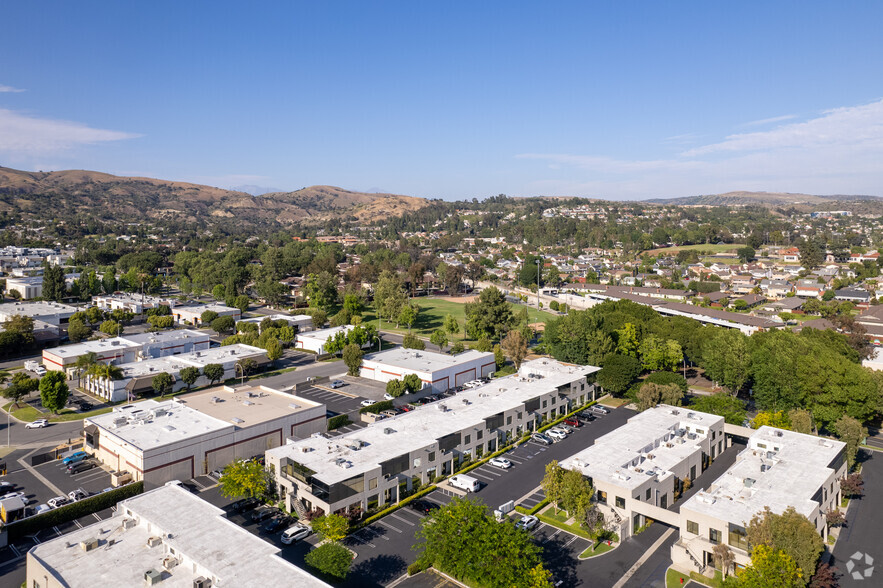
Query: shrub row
{"x":338,"y":421}
{"x":548,"y":426}
{"x":377,"y":407}
{"x":71,"y":512}
{"x":537,"y":507}
{"x":393,"y":508}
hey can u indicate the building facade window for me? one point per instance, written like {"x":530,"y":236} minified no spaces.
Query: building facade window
{"x":714,"y":536}
{"x":692,"y":527}
{"x":738,"y":537}
{"x":602,"y":497}
{"x":620,"y":502}
{"x":649,"y":491}
{"x":431,"y":456}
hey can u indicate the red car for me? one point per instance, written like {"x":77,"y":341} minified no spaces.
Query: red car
{"x":573,"y":422}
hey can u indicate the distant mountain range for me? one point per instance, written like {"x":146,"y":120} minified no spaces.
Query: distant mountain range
{"x":66,"y":194}
{"x":769,"y":199}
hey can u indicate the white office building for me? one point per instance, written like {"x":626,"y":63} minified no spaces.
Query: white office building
{"x":53,"y":313}
{"x":380,"y":463}
{"x":639,"y":468}
{"x":194,"y":434}
{"x":314,"y":341}
{"x":126,"y":349}
{"x":777,"y":470}
{"x":134,"y":303}
{"x":301,"y":322}
{"x":441,"y":371}
{"x":191,"y":314}
{"x":29,"y":287}
{"x":138,"y":376}
{"x":164,"y":537}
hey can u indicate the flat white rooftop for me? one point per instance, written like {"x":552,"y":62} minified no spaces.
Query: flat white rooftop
{"x":195,"y":529}
{"x":249,"y":405}
{"x":323,"y":335}
{"x":778,"y":469}
{"x":335,"y":460}
{"x":130,"y":297}
{"x":649,"y":444}
{"x":126,"y":341}
{"x":38,"y":308}
{"x":174,"y":363}
{"x":150,"y":424}
{"x":290,"y":318}
{"x":424,"y":361}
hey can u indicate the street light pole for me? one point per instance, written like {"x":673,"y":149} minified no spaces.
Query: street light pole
{"x":539,"y":260}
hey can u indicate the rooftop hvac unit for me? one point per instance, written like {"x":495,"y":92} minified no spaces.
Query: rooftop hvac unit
{"x":388,"y":431}
{"x":129,"y":523}
{"x":154,"y":541}
{"x":152,"y":577}
{"x":169,"y":562}
{"x":89,"y":544}
{"x":202,"y":582}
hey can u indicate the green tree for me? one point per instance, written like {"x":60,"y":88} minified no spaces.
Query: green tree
{"x":439,"y":338}
{"x":219,"y":292}
{"x":407,"y":315}
{"x":111,"y":328}
{"x":451,"y":325}
{"x":801,"y":421}
{"x":456,"y":348}
{"x":214,"y":372}
{"x":94,"y":315}
{"x":490,"y":315}
{"x":811,"y":256}
{"x":650,"y":394}
{"x":332,"y":527}
{"x":778,"y":419}
{"x":320,"y":317}
{"x":790,"y":532}
{"x":162,"y":383}
{"x":274,"y":349}
{"x":331,"y":559}
{"x":244,"y":479}
{"x":721,"y":404}
{"x":483,"y":344}
{"x":389,"y":296}
{"x":189,"y":375}
{"x":745,"y":254}
{"x":770,"y":568}
{"x":499,"y":357}
{"x":618,"y":372}
{"x":241,"y":302}
{"x":658,"y":354}
{"x":627,"y":340}
{"x":413,"y":342}
{"x":553,"y":483}
{"x":223,"y":324}
{"x":53,"y":282}
{"x":413,"y":383}
{"x":461,"y":539}
{"x":726,"y":359}
{"x":515,"y":347}
{"x":22,"y":385}
{"x":207,"y":317}
{"x":54,"y":391}
{"x":851,"y":432}
{"x":321,"y":290}
{"x":77,"y":331}
{"x":352,"y":357}
{"x":395,"y":388}
{"x":354,"y":303}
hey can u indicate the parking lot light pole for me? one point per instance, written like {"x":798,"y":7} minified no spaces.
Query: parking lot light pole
{"x":539,"y":261}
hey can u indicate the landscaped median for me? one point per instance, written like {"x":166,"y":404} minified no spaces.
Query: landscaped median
{"x":28,"y":414}
{"x":560,"y":520}
{"x":71,"y":512}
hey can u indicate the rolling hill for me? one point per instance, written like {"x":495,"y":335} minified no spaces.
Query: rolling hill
{"x":60,"y":194}
{"x":768,"y":199}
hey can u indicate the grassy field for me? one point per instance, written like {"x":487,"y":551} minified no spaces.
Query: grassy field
{"x":432,"y":316}
{"x":709,"y":247}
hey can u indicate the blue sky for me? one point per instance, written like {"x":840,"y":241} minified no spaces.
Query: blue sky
{"x":452,"y":99}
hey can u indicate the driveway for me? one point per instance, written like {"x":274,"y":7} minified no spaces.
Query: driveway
{"x":861,"y":534}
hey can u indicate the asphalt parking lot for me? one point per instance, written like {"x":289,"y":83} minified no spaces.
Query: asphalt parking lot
{"x":860,"y":534}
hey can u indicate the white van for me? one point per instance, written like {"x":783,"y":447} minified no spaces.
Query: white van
{"x":464,"y":482}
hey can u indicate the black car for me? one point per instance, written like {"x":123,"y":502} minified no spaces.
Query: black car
{"x":424,"y":506}
{"x":80,"y":466}
{"x":245,"y":505}
{"x":263,"y":514}
{"x":586,"y":417}
{"x":277,"y":523}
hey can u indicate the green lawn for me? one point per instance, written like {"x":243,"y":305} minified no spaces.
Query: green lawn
{"x":434,"y":310}
{"x":28,"y":413}
{"x":592,"y":551}
{"x":705,"y":247}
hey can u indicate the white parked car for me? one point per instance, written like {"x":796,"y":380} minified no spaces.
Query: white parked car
{"x":556,"y":434}
{"x":367,"y":402}
{"x":337,"y":384}
{"x":13,"y":495}
{"x":527,"y":522}
{"x":58,"y":501}
{"x":295,"y":533}
{"x":37,"y":424}
{"x":40,"y":370}
{"x":500,"y":462}
{"x":388,"y":396}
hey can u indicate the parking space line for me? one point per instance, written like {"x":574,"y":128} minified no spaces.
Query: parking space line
{"x":492,"y":472}
{"x":362,"y":541}
{"x":572,"y":539}
{"x":97,"y":518}
{"x":77,"y":523}
{"x":15,"y":550}
{"x":385,"y":524}
{"x":398,"y":518}
{"x":480,"y":475}
{"x":57,"y":531}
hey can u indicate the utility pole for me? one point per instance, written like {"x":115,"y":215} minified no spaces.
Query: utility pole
{"x":539,"y":261}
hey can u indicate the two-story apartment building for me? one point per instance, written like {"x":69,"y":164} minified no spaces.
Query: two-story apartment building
{"x":778,"y":469}
{"x":381,"y":463}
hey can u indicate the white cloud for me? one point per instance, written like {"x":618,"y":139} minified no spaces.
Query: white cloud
{"x":9,"y":89}
{"x":767,"y":121}
{"x":21,"y":133}
{"x":838,"y":152}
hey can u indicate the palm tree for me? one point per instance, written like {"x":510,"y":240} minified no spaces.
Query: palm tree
{"x":84,"y":362}
{"x":724,"y":557}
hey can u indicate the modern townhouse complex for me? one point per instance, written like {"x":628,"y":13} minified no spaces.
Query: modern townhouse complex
{"x":383,"y":462}
{"x":194,"y":434}
{"x":126,"y":349}
{"x":165,"y":537}
{"x":441,"y":371}
{"x":639,"y":469}
{"x":778,"y":469}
